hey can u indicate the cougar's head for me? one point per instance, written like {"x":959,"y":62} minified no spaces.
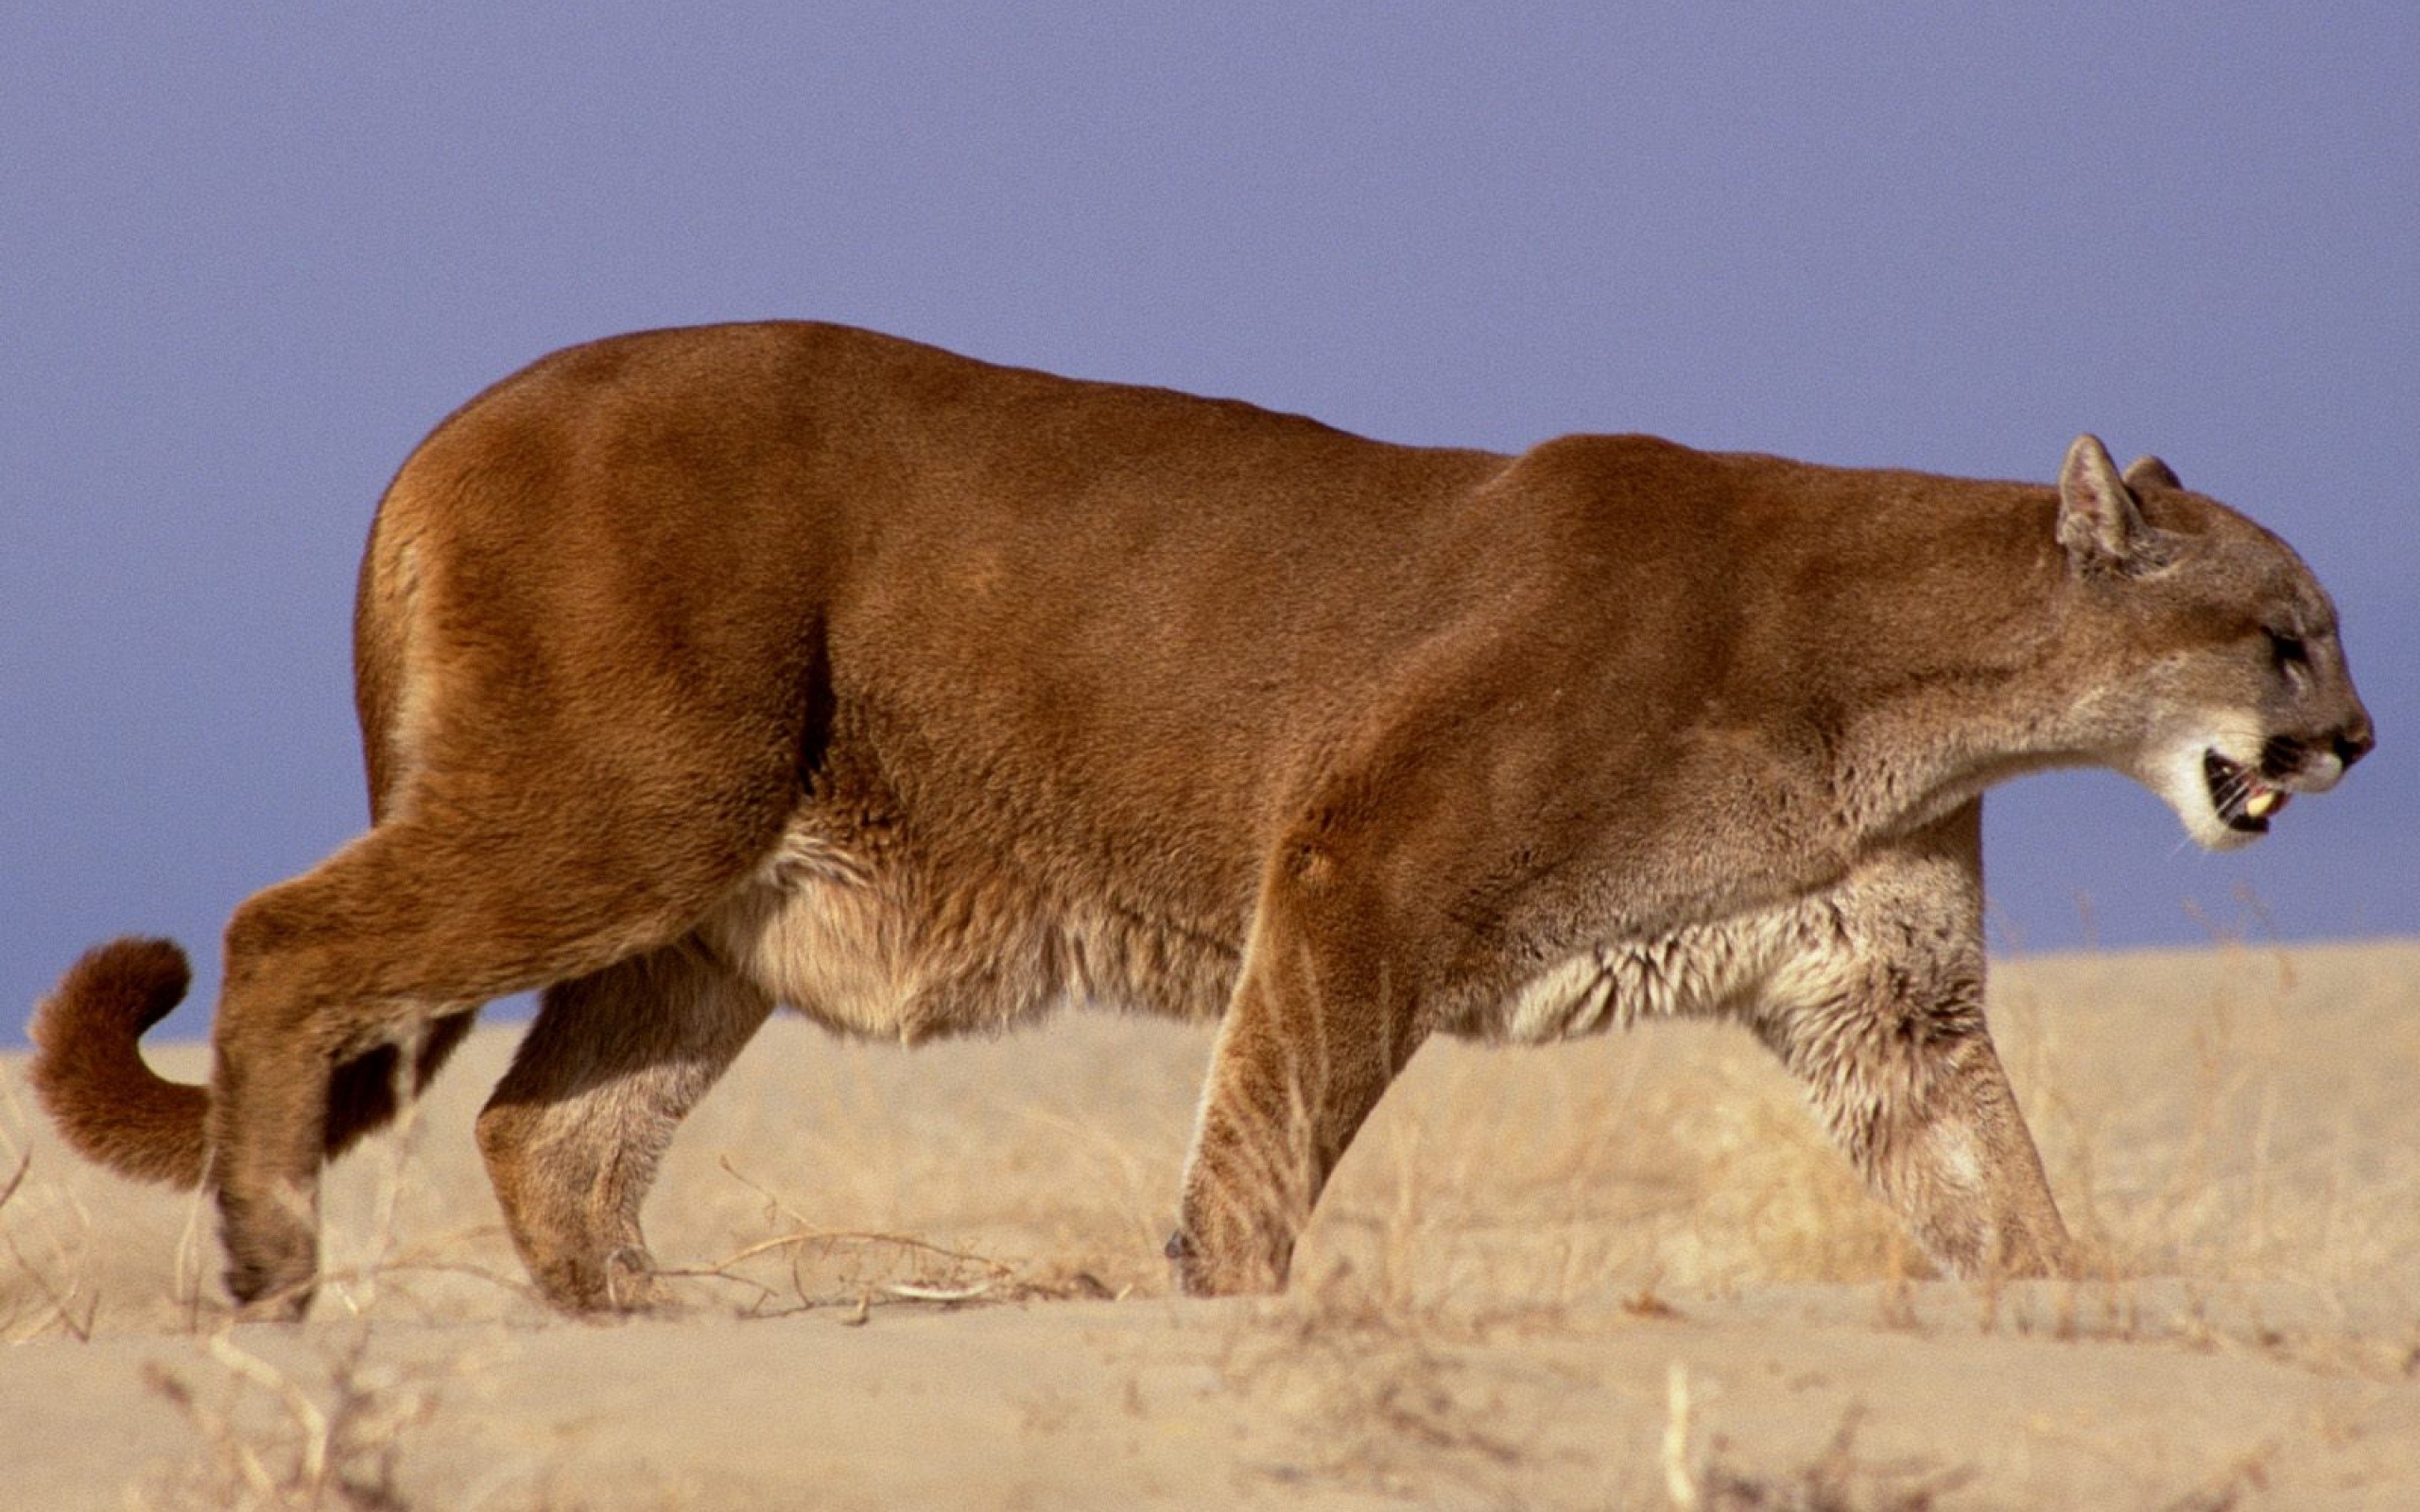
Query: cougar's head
{"x":2224,"y":688}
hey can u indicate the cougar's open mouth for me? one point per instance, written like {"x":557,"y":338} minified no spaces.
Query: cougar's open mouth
{"x":2244,"y":802}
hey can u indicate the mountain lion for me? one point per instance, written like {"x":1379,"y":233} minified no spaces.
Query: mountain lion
{"x":705,"y":671}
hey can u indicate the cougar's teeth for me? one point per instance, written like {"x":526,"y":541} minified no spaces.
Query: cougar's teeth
{"x":2263,"y":803}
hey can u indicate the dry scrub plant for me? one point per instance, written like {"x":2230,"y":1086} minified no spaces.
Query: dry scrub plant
{"x":1381,"y":1395}
{"x":1836,"y":1480}
{"x":268,"y":1445}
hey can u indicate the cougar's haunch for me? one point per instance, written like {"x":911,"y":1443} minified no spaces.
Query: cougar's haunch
{"x":709,"y":671}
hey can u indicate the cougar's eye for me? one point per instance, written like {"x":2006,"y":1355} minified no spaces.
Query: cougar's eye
{"x":2291,"y":653}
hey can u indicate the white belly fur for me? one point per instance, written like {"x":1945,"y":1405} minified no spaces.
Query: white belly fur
{"x":891,"y":954}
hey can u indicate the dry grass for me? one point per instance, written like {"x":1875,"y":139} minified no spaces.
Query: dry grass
{"x":40,"y":1237}
{"x":2224,"y":1131}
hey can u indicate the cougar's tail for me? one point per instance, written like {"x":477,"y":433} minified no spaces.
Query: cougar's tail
{"x":107,"y":1102}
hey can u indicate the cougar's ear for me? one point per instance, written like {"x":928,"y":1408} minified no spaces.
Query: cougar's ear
{"x":2099,"y":521}
{"x":2151,"y":472}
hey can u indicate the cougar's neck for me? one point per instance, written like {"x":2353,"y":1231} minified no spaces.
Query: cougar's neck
{"x":1964,"y":684}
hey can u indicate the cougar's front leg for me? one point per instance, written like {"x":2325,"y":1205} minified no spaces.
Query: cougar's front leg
{"x":1914,"y":1095}
{"x":1890,"y":1038}
{"x":1320,"y":1022}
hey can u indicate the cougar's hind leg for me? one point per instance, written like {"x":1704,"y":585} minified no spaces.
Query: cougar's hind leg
{"x":576,"y":749}
{"x":575,"y":1130}
{"x":411,"y":921}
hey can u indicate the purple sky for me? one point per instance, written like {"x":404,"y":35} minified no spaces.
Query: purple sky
{"x":249,"y":254}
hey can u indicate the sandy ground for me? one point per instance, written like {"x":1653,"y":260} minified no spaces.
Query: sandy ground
{"x":1619,"y":1273}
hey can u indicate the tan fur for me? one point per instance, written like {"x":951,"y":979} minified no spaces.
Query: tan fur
{"x":706,"y":671}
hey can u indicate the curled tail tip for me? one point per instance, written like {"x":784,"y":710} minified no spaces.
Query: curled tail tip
{"x":119,"y":990}
{"x":91,"y":1077}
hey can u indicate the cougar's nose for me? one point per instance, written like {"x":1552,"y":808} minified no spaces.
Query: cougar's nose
{"x":2355,"y":740}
